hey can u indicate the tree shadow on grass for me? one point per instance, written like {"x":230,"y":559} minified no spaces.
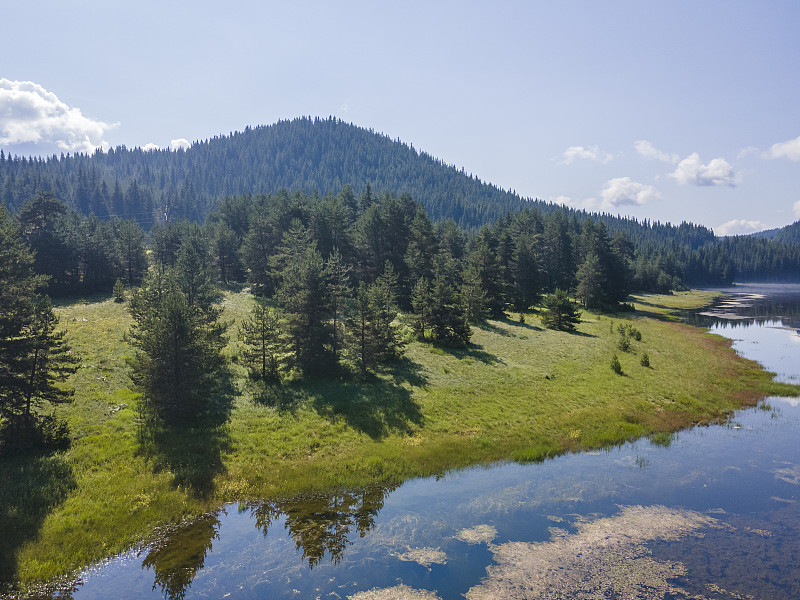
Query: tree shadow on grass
{"x":476,"y":352}
{"x":192,"y":450}
{"x":580,"y":333}
{"x":32,"y":485}
{"x":377,"y":406}
{"x":492,"y":328}
{"x":285,"y":398}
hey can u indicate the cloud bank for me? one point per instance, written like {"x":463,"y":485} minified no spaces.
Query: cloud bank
{"x":789,"y":149}
{"x":649,"y":151}
{"x":585,"y":204}
{"x":179,"y":143}
{"x":796,"y":208}
{"x":740,"y":227}
{"x":29,"y":114}
{"x":691,"y":171}
{"x":592,"y":153}
{"x":624,"y":191}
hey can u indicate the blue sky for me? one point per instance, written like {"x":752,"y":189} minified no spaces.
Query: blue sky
{"x":671,"y":111}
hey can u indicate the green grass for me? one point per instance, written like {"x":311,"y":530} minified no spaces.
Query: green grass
{"x":519,"y":392}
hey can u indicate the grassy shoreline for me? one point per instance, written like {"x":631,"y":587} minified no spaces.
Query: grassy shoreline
{"x":520,"y":392}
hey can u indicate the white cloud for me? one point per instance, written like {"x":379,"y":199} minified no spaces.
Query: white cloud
{"x":648,"y":150}
{"x":624,"y":191}
{"x":692,"y":171}
{"x":789,"y":149}
{"x":179,"y":143}
{"x":150,"y":147}
{"x":740,"y":226}
{"x":750,"y":150}
{"x":796,"y":208}
{"x":29,"y":114}
{"x":592,"y":153}
{"x":585,"y":204}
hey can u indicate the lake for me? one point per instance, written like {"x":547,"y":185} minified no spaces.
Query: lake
{"x":710,"y":512}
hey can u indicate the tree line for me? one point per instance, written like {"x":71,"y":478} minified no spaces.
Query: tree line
{"x":330,"y":274}
{"x":319,"y":156}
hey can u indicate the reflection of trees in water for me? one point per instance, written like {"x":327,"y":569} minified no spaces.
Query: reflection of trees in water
{"x":323,"y":524}
{"x":771,"y":307}
{"x":178,"y":557}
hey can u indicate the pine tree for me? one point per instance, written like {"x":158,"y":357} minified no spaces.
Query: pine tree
{"x":591,"y":282}
{"x":34,"y":356}
{"x":226,"y":252}
{"x":560,"y":312}
{"x":264,"y":354}
{"x":338,"y":275}
{"x":304,"y":297}
{"x":472,"y":296}
{"x":524,"y":268}
{"x":119,"y":291}
{"x":384,"y":299}
{"x":179,"y":363}
{"x":132,"y":251}
{"x":449,"y":323}
{"x":422,"y":305}
{"x":373,"y":338}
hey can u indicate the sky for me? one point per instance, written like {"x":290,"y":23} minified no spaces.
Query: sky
{"x":672,"y":111}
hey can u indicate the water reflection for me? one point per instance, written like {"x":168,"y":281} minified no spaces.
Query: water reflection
{"x":747,"y":304}
{"x":179,"y":555}
{"x":319,"y":526}
{"x":323,"y":524}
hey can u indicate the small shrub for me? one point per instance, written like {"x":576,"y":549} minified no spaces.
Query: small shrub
{"x":645,"y":360}
{"x":624,"y":344}
{"x":119,"y":291}
{"x":615,"y":366}
{"x":637,"y":335}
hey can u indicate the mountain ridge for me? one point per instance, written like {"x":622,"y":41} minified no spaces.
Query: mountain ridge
{"x":311,"y":155}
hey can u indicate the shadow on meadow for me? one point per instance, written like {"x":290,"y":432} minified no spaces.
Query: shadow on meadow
{"x":377,"y":406}
{"x":192,"y":451}
{"x":31,"y":486}
{"x":475,"y":352}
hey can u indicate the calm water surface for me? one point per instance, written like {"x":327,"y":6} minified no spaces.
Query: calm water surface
{"x":710,"y":513}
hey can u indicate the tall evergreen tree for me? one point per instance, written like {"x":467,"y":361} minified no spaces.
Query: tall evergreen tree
{"x":132,"y":251}
{"x":34,"y":356}
{"x":179,"y":363}
{"x":304,"y":297}
{"x":591,"y":282}
{"x":261,"y":335}
{"x":449,"y":323}
{"x":338,"y":275}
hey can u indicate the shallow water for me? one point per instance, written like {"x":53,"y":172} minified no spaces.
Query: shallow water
{"x":713,"y":514}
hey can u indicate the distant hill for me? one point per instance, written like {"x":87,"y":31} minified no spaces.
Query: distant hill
{"x":790,"y":233}
{"x":304,"y":154}
{"x":324,"y":155}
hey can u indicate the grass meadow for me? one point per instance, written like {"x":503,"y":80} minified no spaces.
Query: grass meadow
{"x":518,"y":392}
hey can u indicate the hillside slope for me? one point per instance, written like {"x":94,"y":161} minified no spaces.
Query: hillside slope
{"x":303,"y":154}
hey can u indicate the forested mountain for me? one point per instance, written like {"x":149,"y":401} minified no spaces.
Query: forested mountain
{"x":790,"y":233}
{"x":322,"y":157}
{"x":304,"y":154}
